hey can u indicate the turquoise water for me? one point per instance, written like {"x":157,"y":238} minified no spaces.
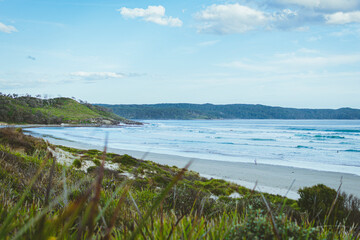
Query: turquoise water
{"x":330,"y":145}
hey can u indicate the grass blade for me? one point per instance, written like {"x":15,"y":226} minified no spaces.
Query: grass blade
{"x":159,"y":200}
{"x":9,"y":217}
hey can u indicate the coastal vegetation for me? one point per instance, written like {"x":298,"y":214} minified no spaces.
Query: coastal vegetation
{"x":231,"y":111}
{"x":34,"y":110}
{"x":57,"y":192}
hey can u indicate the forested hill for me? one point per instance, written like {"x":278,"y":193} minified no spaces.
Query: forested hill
{"x":231,"y":111}
{"x":31,"y":110}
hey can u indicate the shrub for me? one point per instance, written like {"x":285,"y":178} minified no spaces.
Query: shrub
{"x":259,"y":226}
{"x":317,"y":201}
{"x":77,"y":163}
{"x":111,"y":155}
{"x":187,"y":199}
{"x":96,"y":162}
{"x":161,"y":180}
{"x":91,"y":169}
{"x":86,"y":157}
{"x":125,"y":159}
{"x":71,"y":150}
{"x":217,"y":187}
{"x":145,"y":196}
{"x":17,"y":140}
{"x":94,"y":152}
{"x":352,"y":209}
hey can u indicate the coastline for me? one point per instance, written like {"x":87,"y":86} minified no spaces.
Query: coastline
{"x":68,"y":125}
{"x":268,"y":178}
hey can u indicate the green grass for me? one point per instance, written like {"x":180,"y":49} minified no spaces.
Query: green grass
{"x":54,"y":111}
{"x":43,"y":200}
{"x":70,"y":110}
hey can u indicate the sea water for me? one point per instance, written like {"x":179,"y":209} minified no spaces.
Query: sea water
{"x":327,"y":145}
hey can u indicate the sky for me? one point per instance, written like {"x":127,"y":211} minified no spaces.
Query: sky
{"x":291,"y":53}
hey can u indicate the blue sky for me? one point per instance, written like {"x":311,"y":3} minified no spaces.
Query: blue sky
{"x":293,"y":53}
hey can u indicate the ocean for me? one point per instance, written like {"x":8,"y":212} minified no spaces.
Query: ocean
{"x":326,"y":145}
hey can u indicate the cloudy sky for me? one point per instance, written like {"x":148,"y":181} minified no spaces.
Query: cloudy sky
{"x":294,"y":53}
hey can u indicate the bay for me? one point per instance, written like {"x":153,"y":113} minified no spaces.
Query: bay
{"x":326,"y":145}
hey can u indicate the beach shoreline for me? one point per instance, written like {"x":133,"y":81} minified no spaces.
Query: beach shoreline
{"x":274,"y":179}
{"x":68,"y":125}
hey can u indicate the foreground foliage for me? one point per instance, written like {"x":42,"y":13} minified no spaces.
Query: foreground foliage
{"x":41,"y":198}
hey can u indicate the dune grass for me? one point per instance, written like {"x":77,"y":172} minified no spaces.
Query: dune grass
{"x":43,"y":199}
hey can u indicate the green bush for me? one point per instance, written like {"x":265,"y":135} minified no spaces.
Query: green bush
{"x":91,"y":169}
{"x":217,"y":187}
{"x":352,"y":206}
{"x":94,"y":152}
{"x":161,"y":180}
{"x":183,"y":199}
{"x":96,"y":162}
{"x":77,"y":163}
{"x":259,"y":226}
{"x":71,"y":150}
{"x":145,"y":196}
{"x":317,"y":201}
{"x":125,"y":159}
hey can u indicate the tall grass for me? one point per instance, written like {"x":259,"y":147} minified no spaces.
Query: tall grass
{"x":64,"y":203}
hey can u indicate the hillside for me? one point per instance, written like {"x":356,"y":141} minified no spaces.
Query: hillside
{"x":31,"y":110}
{"x":230,"y":111}
{"x":56,"y":192}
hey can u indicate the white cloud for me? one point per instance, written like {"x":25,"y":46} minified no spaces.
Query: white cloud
{"x":302,"y":29}
{"x":343,"y":18}
{"x":314,"y":38}
{"x":334,"y":5}
{"x":318,"y":61}
{"x":230,"y":18}
{"x":7,"y":28}
{"x":25,"y":80}
{"x":286,"y":19}
{"x":307,"y":50}
{"x":296,"y":15}
{"x":303,"y":60}
{"x":97,"y":75}
{"x":155,"y":14}
{"x":236,"y":18}
{"x":4,"y":84}
{"x":208,"y":43}
{"x":285,"y":14}
{"x":19,"y":79}
{"x":347,"y":32}
{"x":249,"y":66}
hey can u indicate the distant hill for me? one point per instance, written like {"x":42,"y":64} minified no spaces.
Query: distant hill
{"x":31,"y":110}
{"x":230,"y":111}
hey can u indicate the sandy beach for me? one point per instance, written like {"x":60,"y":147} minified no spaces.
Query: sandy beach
{"x":269,"y":178}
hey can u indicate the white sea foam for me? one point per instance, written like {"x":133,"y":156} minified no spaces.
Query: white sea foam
{"x":327,"y":145}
